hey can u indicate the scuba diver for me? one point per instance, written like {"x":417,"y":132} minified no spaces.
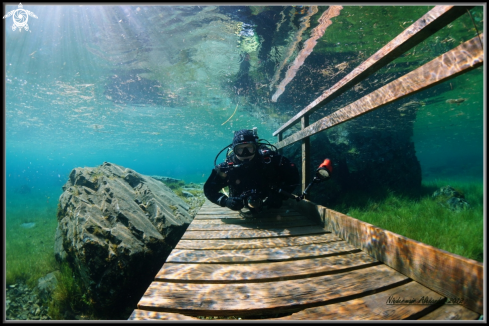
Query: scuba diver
{"x":253,"y":173}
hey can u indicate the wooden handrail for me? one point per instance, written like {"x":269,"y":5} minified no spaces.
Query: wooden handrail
{"x":423,"y":28}
{"x":455,"y":277}
{"x":463,"y":58}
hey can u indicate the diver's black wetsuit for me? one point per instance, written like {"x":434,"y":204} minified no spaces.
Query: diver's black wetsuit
{"x":265,"y":170}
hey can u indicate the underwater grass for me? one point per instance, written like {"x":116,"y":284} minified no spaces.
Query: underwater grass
{"x":30,"y":251}
{"x":423,"y":218}
{"x":69,"y":295}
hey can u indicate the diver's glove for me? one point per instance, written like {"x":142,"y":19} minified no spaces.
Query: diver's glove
{"x":273,"y":201}
{"x":234,"y":203}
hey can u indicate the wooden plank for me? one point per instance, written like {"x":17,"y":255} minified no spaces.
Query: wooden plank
{"x":259,"y":255}
{"x":463,"y":58}
{"x":451,"y":275}
{"x":249,"y":225}
{"x":139,"y":314}
{"x":221,"y":273}
{"x":208,"y":203}
{"x":260,"y":233}
{"x":256,"y":243}
{"x":203,"y":211}
{"x":451,"y":312}
{"x":227,"y":211}
{"x":248,"y":298}
{"x":435,"y":19}
{"x":373,"y":307}
{"x":305,"y":148}
{"x":243,"y":216}
{"x":247,"y":221}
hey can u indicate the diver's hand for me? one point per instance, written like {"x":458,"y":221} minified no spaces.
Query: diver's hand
{"x":234,"y":203}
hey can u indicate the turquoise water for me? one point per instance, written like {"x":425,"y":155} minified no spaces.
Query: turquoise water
{"x":160,"y":89}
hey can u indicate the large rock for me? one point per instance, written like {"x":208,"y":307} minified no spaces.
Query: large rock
{"x":116,"y":227}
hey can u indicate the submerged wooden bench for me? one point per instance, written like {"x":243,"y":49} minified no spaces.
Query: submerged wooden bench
{"x":294,"y":264}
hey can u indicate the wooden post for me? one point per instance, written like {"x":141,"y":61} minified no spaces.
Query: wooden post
{"x":305,"y":153}
{"x":280,"y":137}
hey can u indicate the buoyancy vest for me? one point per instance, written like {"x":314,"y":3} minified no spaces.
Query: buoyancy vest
{"x":266,"y":169}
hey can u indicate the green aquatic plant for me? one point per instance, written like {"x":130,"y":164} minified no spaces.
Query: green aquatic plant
{"x":421,"y":218}
{"x":69,"y":295}
{"x":95,"y":177}
{"x":29,"y":251}
{"x":353,"y":150}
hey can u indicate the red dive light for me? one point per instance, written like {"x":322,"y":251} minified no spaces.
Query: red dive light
{"x":324,"y":170}
{"x":326,"y":164}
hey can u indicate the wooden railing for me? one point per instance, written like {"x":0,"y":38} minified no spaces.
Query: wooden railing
{"x":459,"y":60}
{"x":445,"y":273}
{"x":458,"y":278}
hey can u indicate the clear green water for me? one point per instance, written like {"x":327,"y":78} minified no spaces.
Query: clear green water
{"x":160,"y":89}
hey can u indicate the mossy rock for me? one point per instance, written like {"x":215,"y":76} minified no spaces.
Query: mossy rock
{"x":451,"y":198}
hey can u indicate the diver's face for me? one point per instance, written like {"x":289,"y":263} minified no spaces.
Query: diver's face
{"x":245,"y":152}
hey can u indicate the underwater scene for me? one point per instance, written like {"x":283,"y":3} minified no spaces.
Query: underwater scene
{"x":160,"y":90}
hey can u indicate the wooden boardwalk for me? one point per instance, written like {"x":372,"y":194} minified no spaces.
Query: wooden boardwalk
{"x":282,"y":266}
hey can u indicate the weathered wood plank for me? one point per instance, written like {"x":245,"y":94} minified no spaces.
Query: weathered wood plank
{"x":260,"y":233}
{"x":249,"y":298}
{"x":373,"y":307}
{"x":222,"y":273}
{"x":257,"y":221}
{"x":208,"y":203}
{"x":423,"y":28}
{"x":451,"y":312}
{"x":218,"y":212}
{"x":259,"y":243}
{"x":249,"y":225}
{"x":236,"y":215}
{"x":259,"y":255}
{"x":305,"y":149}
{"x":463,"y":58}
{"x":227,"y":211}
{"x":448,"y":274}
{"x":139,"y":314}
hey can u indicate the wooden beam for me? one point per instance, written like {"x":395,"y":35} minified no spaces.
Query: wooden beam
{"x":279,"y":139}
{"x":306,"y":145}
{"x":450,"y":275}
{"x":430,"y":23}
{"x":259,"y":243}
{"x":241,"y":299}
{"x":463,"y":58}
{"x":375,"y":306}
{"x":263,"y":272}
{"x":260,"y":255}
{"x":259,"y":233}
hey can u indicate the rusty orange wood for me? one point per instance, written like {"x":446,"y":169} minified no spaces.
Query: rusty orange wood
{"x":435,"y":19}
{"x":233,"y":273}
{"x":374,"y":306}
{"x":451,"y":312}
{"x":259,"y":255}
{"x":463,"y":58}
{"x":259,"y":243}
{"x":245,"y":298}
{"x":296,"y":221}
{"x":139,"y":314}
{"x":274,"y":231}
{"x":451,"y":275}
